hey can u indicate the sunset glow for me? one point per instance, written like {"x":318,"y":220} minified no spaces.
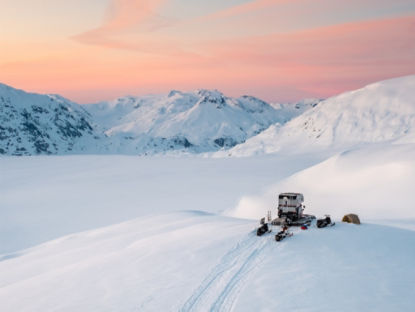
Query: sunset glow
{"x":279,"y":50}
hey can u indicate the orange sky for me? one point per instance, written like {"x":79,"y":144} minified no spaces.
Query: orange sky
{"x":279,"y":50}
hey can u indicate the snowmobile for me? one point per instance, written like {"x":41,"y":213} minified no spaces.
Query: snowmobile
{"x":321,"y":223}
{"x":283,"y":234}
{"x":264,"y":228}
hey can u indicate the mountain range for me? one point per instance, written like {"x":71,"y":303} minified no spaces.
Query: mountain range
{"x":195,"y":122}
{"x":205,"y":121}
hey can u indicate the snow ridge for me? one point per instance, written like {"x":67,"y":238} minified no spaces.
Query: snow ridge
{"x":380,"y":112}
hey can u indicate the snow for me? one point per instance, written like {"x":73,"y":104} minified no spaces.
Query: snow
{"x":67,"y":194}
{"x":194,"y":122}
{"x":195,"y":261}
{"x":375,"y":182}
{"x":380,"y":112}
{"x":138,"y":265}
{"x":342,"y":268}
{"x":176,"y":251}
{"x":198,"y":121}
{"x":33,"y":124}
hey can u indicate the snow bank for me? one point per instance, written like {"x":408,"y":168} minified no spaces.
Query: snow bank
{"x":374,"y":182}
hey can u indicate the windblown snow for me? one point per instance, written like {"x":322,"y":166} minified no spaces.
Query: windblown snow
{"x":178,"y":232}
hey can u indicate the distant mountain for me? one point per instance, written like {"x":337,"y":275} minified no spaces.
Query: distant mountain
{"x":379,"y":112}
{"x":199,"y":121}
{"x":33,"y":124}
{"x":205,"y":121}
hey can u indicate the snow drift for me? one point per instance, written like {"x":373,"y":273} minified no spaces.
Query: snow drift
{"x":374,"y":182}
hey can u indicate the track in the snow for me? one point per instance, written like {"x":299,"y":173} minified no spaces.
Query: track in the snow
{"x":221,"y":287}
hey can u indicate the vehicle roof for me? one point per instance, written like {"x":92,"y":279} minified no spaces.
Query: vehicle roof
{"x":290,"y":194}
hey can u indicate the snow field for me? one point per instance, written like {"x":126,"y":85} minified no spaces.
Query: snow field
{"x":148,"y":264}
{"x":195,"y":261}
{"x":375,"y":182}
{"x":42,"y":198}
{"x":341,"y":268}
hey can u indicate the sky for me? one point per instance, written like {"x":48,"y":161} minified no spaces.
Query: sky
{"x":278,"y":50}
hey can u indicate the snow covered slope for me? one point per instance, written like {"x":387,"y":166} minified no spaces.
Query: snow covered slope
{"x":199,"y":121}
{"x":380,"y":112}
{"x":174,"y":260}
{"x":43,"y":124}
{"x":193,"y":261}
{"x":376,"y":182}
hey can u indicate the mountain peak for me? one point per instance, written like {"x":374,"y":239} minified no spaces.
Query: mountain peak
{"x":212,"y":96}
{"x":379,"y":112}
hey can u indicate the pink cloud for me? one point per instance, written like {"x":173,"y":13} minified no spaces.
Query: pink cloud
{"x":123,"y":14}
{"x":356,"y":43}
{"x":326,"y":60}
{"x":317,"y":62}
{"x":123,"y":17}
{"x":245,"y":8}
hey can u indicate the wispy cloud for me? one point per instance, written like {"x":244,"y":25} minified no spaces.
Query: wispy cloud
{"x":124,"y":14}
{"x":126,"y":17}
{"x":245,"y":8}
{"x":284,"y":63}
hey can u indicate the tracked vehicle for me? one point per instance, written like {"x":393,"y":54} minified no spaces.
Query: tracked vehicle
{"x":290,"y":213}
{"x":290,"y":210}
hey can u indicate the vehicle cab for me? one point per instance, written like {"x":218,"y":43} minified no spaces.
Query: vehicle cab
{"x":290,"y":205}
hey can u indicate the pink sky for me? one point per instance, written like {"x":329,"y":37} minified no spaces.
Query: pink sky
{"x":275,"y":49}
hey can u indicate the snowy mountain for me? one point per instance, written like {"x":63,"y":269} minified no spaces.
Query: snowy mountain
{"x":206,"y":121}
{"x":33,"y":124}
{"x":380,"y":112}
{"x":199,"y":121}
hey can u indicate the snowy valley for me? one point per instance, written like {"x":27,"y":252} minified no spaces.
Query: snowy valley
{"x":151,"y":203}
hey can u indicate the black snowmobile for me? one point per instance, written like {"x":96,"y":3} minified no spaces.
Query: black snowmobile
{"x":262,"y":229}
{"x":283,"y":234}
{"x":321,"y":223}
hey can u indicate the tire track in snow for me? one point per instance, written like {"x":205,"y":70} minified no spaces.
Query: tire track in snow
{"x":223,"y":284}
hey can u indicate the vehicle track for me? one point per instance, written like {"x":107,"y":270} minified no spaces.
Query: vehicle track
{"x":220,"y":288}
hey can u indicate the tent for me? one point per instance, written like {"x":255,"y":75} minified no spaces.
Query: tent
{"x":351,"y":218}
